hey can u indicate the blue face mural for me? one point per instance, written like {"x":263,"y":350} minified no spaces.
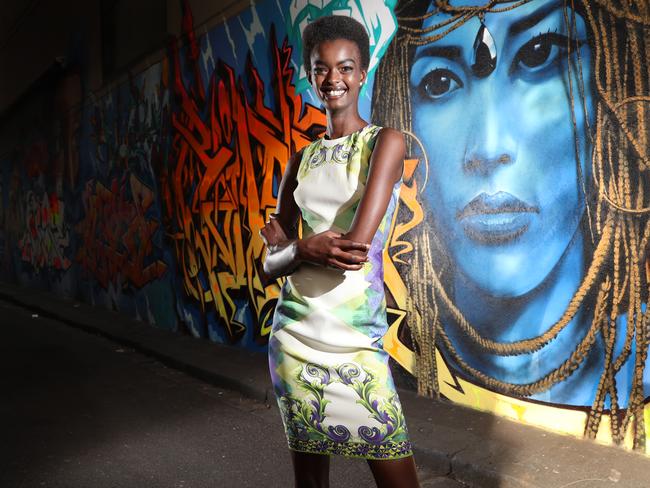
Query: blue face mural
{"x":523,"y":290}
{"x":504,"y":186}
{"x":507,"y":174}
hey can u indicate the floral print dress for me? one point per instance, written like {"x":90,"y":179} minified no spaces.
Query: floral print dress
{"x":329,"y":370}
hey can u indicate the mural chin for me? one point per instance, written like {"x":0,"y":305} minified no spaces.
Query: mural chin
{"x":511,"y":253}
{"x":510,"y":271}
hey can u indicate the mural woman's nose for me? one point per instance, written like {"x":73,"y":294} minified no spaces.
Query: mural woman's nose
{"x":490,"y":143}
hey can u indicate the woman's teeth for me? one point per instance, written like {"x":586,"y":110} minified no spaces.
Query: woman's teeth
{"x":334,"y":93}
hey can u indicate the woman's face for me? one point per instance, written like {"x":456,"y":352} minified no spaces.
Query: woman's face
{"x":335,"y":73}
{"x":503,"y":185}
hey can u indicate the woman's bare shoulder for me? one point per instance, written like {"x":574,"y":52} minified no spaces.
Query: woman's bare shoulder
{"x":390,"y":134}
{"x":392,"y":140}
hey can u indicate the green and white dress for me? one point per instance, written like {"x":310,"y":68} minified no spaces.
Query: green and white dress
{"x":329,"y":370}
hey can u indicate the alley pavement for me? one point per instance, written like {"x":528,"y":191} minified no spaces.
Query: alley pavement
{"x":81,"y":411}
{"x":91,"y":398}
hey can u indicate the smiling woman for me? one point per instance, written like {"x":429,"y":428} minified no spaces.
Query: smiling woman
{"x":535,"y":196}
{"x":329,"y":370}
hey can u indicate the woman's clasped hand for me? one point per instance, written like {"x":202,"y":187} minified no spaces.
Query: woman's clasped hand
{"x":332,"y":249}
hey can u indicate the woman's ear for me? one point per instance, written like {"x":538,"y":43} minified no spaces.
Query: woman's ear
{"x":364,"y":76}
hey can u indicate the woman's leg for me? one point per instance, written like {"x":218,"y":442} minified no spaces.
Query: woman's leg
{"x":394,"y":473}
{"x":311,"y":470}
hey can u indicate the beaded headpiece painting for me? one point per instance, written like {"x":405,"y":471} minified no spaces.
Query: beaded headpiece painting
{"x":531,"y":123}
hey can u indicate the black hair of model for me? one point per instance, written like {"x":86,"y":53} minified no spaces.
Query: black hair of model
{"x":331,"y":28}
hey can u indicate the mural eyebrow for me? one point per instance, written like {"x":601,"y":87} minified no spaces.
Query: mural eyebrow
{"x":450,"y":52}
{"x":533,"y":19}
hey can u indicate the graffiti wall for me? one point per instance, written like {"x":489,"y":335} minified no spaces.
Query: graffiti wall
{"x":516,"y":269}
{"x":36,"y":240}
{"x":121,"y":255}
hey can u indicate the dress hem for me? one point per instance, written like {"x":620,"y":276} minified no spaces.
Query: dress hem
{"x":394,"y":450}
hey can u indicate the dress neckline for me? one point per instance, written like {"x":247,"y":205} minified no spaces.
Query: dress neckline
{"x":338,"y":140}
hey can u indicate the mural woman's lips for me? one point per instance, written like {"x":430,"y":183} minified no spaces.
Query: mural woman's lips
{"x":496,"y":219}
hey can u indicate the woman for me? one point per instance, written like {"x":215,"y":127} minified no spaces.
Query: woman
{"x":329,"y":370}
{"x":535,"y":195}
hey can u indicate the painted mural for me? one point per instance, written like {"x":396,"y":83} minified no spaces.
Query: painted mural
{"x":120,"y":255}
{"x":36,"y":235}
{"x":516,"y":271}
{"x":530,"y":280}
{"x":228,"y":151}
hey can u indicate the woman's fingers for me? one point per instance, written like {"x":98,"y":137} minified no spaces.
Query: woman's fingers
{"x":264,"y":234}
{"x":328,"y":249}
{"x":348,"y":257}
{"x":272,"y":233}
{"x":274,"y":224}
{"x":335,"y":263}
{"x":352,"y":245}
{"x":269,"y":236}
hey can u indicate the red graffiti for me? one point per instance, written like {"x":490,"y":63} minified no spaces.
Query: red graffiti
{"x":117,"y":234}
{"x":226,"y":153}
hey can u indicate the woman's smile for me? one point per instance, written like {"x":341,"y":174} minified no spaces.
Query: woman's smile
{"x":332,"y":94}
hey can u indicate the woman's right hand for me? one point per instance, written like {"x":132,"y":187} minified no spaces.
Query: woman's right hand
{"x":329,"y":249}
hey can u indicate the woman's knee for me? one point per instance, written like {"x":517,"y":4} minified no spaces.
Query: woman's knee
{"x":394,"y":473}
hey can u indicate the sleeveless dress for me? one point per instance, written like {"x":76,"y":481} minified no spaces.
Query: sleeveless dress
{"x":328,"y":367}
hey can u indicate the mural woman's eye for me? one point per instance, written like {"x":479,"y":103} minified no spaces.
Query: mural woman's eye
{"x":540,"y":52}
{"x":438,"y":83}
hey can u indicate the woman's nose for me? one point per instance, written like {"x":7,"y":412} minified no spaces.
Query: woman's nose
{"x":333,"y":75}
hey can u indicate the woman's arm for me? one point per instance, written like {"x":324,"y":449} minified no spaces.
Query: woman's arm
{"x":386,"y":167}
{"x":280,"y":234}
{"x":281,"y":230}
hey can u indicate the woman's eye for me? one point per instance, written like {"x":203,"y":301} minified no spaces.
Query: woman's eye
{"x":438,"y":83}
{"x":540,"y":51}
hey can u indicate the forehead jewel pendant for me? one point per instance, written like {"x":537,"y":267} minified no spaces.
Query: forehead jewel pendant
{"x":485,"y":52}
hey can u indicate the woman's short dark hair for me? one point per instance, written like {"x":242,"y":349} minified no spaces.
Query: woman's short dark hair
{"x":331,"y":28}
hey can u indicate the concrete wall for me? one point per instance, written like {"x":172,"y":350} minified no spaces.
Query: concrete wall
{"x":521,"y":234}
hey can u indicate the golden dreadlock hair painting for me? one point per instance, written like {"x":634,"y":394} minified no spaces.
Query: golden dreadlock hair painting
{"x":529,"y":271}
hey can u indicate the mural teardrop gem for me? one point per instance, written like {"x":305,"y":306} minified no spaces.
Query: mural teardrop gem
{"x":485,"y":53}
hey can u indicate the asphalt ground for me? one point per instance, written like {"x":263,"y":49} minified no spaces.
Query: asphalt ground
{"x":80,"y":411}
